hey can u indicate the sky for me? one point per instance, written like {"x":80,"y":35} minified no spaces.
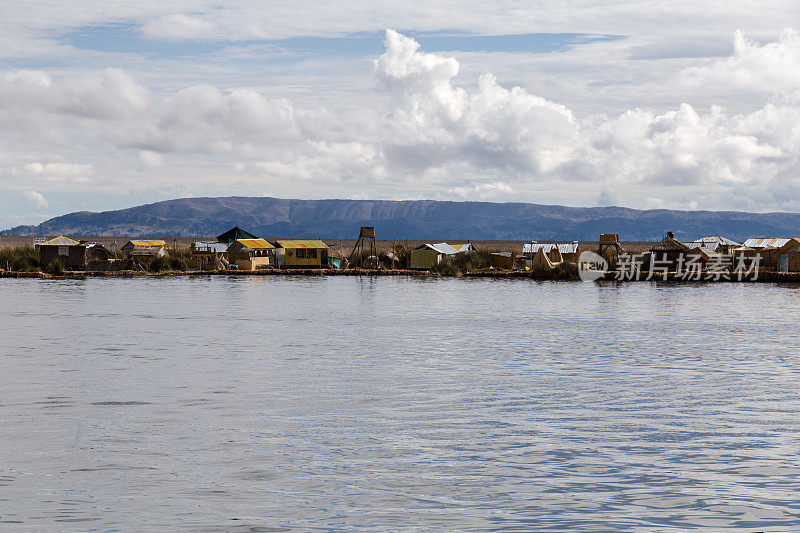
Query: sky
{"x":650,"y":105}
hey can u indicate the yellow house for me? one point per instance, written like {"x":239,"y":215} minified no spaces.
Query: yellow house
{"x":427,"y":256}
{"x":301,"y":253}
{"x":251,"y":254}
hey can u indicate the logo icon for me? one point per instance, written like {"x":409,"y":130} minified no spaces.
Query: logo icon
{"x":591,"y":266}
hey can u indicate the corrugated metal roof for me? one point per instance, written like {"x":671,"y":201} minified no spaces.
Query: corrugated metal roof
{"x":715,"y":239}
{"x":447,"y":249}
{"x":60,"y":241}
{"x":763,"y":242}
{"x":255,"y":244}
{"x":301,"y":243}
{"x":700,"y":244}
{"x":210,"y":246}
{"x":148,"y":243}
{"x":564,"y":248}
{"x":442,"y":248}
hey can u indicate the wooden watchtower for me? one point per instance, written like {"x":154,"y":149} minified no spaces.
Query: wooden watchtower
{"x":365,"y":236}
{"x":610,"y":249}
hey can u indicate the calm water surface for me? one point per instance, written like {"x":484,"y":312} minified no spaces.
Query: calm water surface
{"x":272,"y":404}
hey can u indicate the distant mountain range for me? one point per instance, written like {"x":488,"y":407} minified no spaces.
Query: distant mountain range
{"x":418,"y":219}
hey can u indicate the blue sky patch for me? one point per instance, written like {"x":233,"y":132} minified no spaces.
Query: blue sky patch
{"x":128,"y":39}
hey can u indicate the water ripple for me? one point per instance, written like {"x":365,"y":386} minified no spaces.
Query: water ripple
{"x":277,"y":404}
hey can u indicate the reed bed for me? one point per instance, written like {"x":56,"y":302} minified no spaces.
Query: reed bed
{"x":19,"y":258}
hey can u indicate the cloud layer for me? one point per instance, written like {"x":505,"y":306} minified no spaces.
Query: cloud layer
{"x":111,"y":95}
{"x":432,"y":126}
{"x":522,"y":137}
{"x":773,"y":67}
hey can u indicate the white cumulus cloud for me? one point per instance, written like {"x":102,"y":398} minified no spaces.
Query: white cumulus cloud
{"x":521,"y":136}
{"x":681,"y":147}
{"x":205,"y":119}
{"x":492,"y":126}
{"x":772,"y":67}
{"x":77,"y":173}
{"x":36,"y":199}
{"x":112,"y":95}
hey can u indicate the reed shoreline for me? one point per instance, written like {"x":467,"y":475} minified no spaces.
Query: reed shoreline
{"x":763,"y":276}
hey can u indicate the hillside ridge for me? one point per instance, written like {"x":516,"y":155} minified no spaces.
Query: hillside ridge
{"x":408,"y":219}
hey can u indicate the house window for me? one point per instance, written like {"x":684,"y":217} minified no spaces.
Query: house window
{"x":301,"y":253}
{"x":311,"y":254}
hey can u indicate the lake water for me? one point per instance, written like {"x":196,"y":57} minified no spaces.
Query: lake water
{"x":272,"y":404}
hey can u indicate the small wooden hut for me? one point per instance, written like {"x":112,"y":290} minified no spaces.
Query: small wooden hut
{"x":97,"y":253}
{"x":698,"y":258}
{"x":769,"y":250}
{"x":789,"y":256}
{"x":69,"y":251}
{"x":717,"y":243}
{"x":504,"y":260}
{"x":669,"y":253}
{"x":211,"y":254}
{"x":770,"y":258}
{"x":251,"y":254}
{"x":140,"y":249}
{"x":427,"y":256}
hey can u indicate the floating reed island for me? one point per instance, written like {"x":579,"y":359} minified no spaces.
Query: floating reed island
{"x":238,"y":252}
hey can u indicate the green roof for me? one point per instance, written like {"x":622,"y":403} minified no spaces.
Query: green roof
{"x":234,"y":234}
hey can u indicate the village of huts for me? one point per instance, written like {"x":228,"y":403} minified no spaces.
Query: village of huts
{"x":240,"y":250}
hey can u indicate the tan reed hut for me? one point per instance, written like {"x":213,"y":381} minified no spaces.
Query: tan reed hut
{"x":669,"y":253}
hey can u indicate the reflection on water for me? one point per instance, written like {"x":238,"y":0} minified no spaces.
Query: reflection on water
{"x":266,"y":404}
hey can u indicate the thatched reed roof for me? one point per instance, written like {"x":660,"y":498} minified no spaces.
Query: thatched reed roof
{"x":669,"y":244}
